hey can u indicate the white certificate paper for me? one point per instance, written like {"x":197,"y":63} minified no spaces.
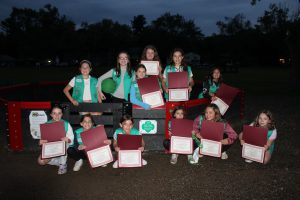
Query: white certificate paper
{"x":221,"y":104}
{"x":154,"y":99}
{"x":130,"y":158}
{"x":252,"y":152}
{"x":211,"y":148}
{"x":100,"y":156}
{"x":181,"y":145}
{"x":53,"y":149}
{"x":151,"y":66}
{"x":179,"y":94}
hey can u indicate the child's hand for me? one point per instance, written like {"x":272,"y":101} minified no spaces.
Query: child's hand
{"x":102,"y":96}
{"x":74,"y":102}
{"x":198,"y":135}
{"x":141,"y":148}
{"x":81,"y":147}
{"x":161,"y":90}
{"x":190,"y":88}
{"x":242,"y":142}
{"x":43,"y":142}
{"x":213,"y":98}
{"x":170,"y":133}
{"x":65,"y":139}
{"x":108,"y":142}
{"x":266,"y":147}
{"x":117,"y":149}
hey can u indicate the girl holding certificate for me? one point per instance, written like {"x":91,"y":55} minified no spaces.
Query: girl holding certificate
{"x":177,"y":64}
{"x":212,"y":113}
{"x":177,"y":113}
{"x":76,"y":151}
{"x":126,"y":128}
{"x":123,"y":77}
{"x":211,"y":84}
{"x":84,"y":87}
{"x":150,"y":54}
{"x":135,"y":95}
{"x":61,"y":161}
{"x":264,"y":120}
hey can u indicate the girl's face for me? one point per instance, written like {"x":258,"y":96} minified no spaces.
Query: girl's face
{"x":263,"y":120}
{"x":140,"y":73}
{"x":126,"y":126}
{"x":123,"y":59}
{"x":87,"y":123}
{"x":150,"y":54}
{"x":85,"y":69}
{"x":56,"y":114}
{"x":210,"y":114}
{"x":177,"y":58}
{"x":179,"y":114}
{"x":216,"y":74}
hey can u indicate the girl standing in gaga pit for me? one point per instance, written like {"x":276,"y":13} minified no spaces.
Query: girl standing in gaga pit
{"x":84,"y":87}
{"x":177,"y":65}
{"x":123,"y":76}
{"x":150,"y":53}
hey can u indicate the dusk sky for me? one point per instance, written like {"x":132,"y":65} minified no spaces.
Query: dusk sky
{"x":205,"y":13}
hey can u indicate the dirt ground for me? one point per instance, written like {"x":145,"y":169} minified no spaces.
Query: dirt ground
{"x":21,"y":177}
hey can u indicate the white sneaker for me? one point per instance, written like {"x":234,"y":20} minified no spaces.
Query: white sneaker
{"x":104,"y":165}
{"x":248,"y":161}
{"x":116,"y":164}
{"x":62,"y":169}
{"x":144,"y":162}
{"x":77,"y":165}
{"x":173,"y":160}
{"x":224,"y":156}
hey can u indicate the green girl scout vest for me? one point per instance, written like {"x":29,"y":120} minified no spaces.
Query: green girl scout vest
{"x":127,"y":82}
{"x":79,"y":87}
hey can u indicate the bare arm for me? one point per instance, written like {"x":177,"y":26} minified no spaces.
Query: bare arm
{"x":68,"y":95}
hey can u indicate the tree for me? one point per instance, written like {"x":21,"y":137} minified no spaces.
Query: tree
{"x":138,"y":24}
{"x":232,"y":26}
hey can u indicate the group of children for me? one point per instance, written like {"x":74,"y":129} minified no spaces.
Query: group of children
{"x":88,"y":89}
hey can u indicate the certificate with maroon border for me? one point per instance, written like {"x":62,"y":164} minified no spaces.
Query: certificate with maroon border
{"x":255,"y":135}
{"x":178,"y":84}
{"x":150,"y":91}
{"x":53,"y":149}
{"x":211,"y":148}
{"x":151,"y":66}
{"x":181,"y":145}
{"x":179,"y":94}
{"x":97,"y":151}
{"x":53,"y":131}
{"x":130,"y":158}
{"x":227,"y":93}
{"x":100,"y":156}
{"x":223,"y":107}
{"x":252,"y":152}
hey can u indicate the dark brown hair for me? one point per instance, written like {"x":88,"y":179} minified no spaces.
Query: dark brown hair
{"x":178,"y":108}
{"x":183,"y":63}
{"x":156,"y":57}
{"x":89,"y":116}
{"x":218,"y":116}
{"x":125,"y":118}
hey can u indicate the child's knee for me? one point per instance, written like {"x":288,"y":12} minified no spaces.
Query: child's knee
{"x":42,"y":161}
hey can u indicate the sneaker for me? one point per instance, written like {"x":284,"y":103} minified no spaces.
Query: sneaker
{"x":173,"y":160}
{"x":144,"y":162}
{"x":116,"y":164}
{"x":192,"y":161}
{"x":103,"y":165}
{"x":62,"y":169}
{"x":248,"y":161}
{"x":77,"y":165}
{"x":224,"y":155}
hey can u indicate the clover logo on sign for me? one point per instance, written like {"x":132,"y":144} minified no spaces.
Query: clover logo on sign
{"x":148,"y":126}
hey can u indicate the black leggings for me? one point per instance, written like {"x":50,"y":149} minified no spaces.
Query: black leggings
{"x":76,"y":154}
